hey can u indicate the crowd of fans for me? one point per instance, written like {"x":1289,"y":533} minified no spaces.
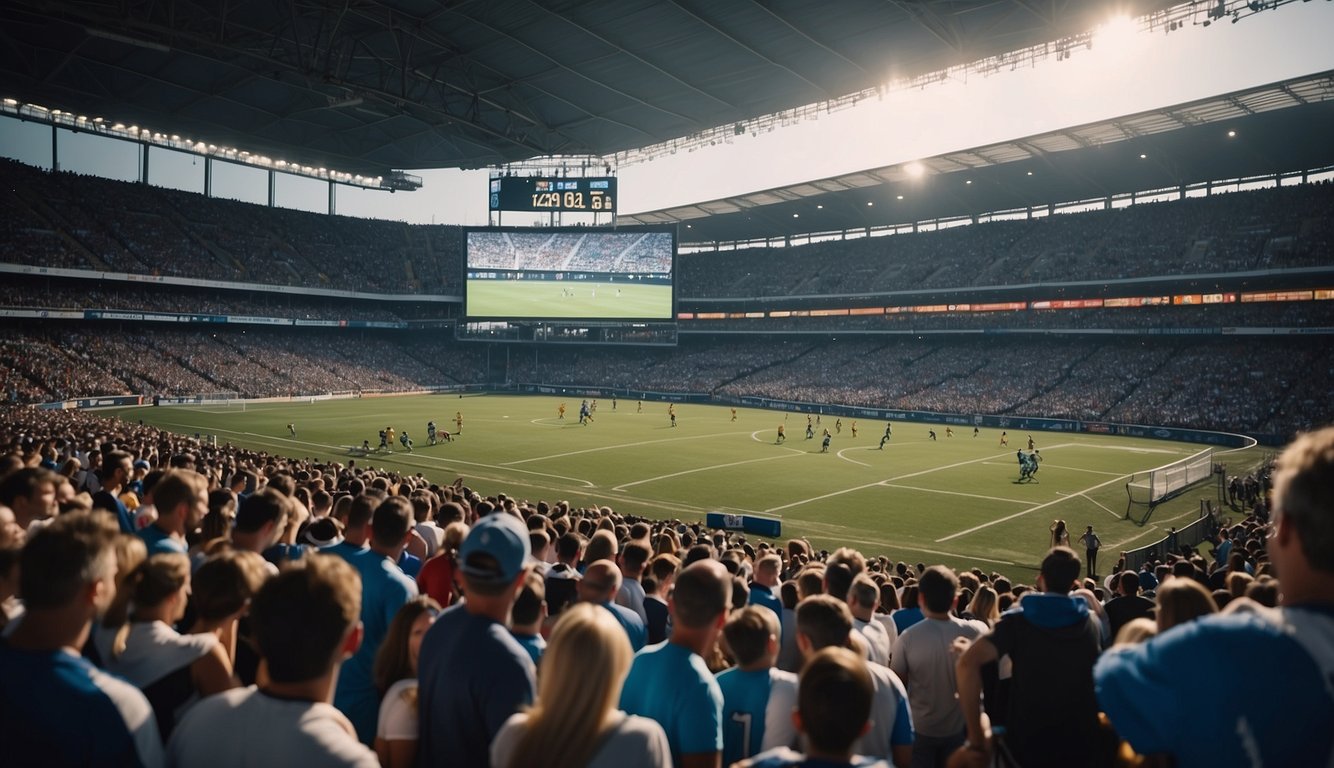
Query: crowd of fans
{"x":209,"y":605}
{"x":81,"y":222}
{"x":629,"y":252}
{"x":1262,"y":385}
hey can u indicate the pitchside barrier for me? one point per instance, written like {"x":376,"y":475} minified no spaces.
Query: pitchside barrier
{"x":769,"y":527}
{"x":1200,"y":530}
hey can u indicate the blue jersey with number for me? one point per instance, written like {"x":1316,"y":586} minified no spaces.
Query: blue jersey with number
{"x":745,"y":699}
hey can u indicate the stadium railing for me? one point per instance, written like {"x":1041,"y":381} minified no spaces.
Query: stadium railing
{"x":1199,"y":530}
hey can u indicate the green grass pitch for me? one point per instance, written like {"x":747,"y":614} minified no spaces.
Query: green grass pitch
{"x":955,"y":500}
{"x":544,"y":299}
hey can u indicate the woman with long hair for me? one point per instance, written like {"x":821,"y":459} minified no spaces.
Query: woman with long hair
{"x":396,"y":678}
{"x":983,"y":606}
{"x":1060,"y":536}
{"x":173,"y":670}
{"x":575,"y":722}
{"x":1182,"y":600}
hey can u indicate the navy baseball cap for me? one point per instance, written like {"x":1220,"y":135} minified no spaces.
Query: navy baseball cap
{"x":496,"y":549}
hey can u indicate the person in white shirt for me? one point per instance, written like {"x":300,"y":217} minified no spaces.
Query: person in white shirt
{"x":863,"y":598}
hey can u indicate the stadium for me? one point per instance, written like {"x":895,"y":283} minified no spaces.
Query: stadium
{"x":871,"y":287}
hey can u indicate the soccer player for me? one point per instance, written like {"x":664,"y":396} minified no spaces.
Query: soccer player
{"x":389,"y":433}
{"x":430,"y":431}
{"x":854,"y":428}
{"x":1005,"y":439}
{"x":782,"y":436}
{"x":1023,"y":465}
{"x":949,"y":431}
{"x":838,"y":426}
{"x":1030,"y":442}
{"x":671,"y":412}
{"x":406,"y":441}
{"x":824,"y":444}
{"x":975,"y":433}
{"x":641,"y":407}
{"x":291,"y":430}
{"x":458,"y":423}
{"x":734,"y":414}
{"x":810,"y":429}
{"x":613,"y":397}
{"x":931,"y":433}
{"x":561,"y":412}
{"x":384,"y":440}
{"x":365,"y":446}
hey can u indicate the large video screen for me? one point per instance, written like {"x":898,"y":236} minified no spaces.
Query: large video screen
{"x":586,"y":274}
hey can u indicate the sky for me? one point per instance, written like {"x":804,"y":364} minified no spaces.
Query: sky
{"x":1126,"y":71}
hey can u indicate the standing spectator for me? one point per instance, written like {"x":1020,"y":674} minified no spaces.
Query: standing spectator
{"x":670,"y":682}
{"x":924,"y":660}
{"x":664,"y":568}
{"x":439,"y":576}
{"x":305,"y":622}
{"x":384,"y":590}
{"x":833,"y":711}
{"x":600,"y":583}
{"x":473,"y":673}
{"x":766,"y":581}
{"x":31,"y":494}
{"x":117,"y":468}
{"x":750,"y":723}
{"x":1181,"y":601}
{"x":562,"y":578}
{"x":575,"y":722}
{"x":634,"y":556}
{"x":396,"y":680}
{"x":824,"y":621}
{"x":1091,"y":544}
{"x":1129,"y":604}
{"x":1052,"y":641}
{"x":1158,"y":711}
{"x":181,"y":498}
{"x":530,"y":611}
{"x":82,"y":716}
{"x":863,"y":598}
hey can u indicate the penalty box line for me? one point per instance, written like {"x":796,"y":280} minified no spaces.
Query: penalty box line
{"x":1044,"y":505}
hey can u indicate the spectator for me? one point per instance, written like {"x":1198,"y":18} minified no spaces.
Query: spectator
{"x":863,"y":597}
{"x":663,"y":568}
{"x":1141,"y":691}
{"x":1181,"y":601}
{"x":396,"y":680}
{"x":66,"y":575}
{"x":670,"y":682}
{"x":305,"y":623}
{"x":31,"y":494}
{"x":474,"y":674}
{"x":766,"y":581}
{"x":530,"y":611}
{"x":1052,"y":641}
{"x":600,"y":583}
{"x":1129,"y":604}
{"x":575,"y":723}
{"x":181,"y":499}
{"x":824,"y":621}
{"x":439,"y":576}
{"x":634,"y":556}
{"x":384,"y":590}
{"x":748,"y":688}
{"x":924,"y":660}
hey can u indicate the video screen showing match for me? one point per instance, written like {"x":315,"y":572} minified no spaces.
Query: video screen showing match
{"x":570,"y":274}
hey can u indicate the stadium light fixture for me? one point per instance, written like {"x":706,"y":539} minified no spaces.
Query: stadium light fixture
{"x":11,"y":102}
{"x":915,"y":170}
{"x":1030,"y":173}
{"x":1143,"y":156}
{"x":900,"y":197}
{"x":870,"y":203}
{"x":968,"y":181}
{"x":819,"y":206}
{"x":796,"y":215}
{"x":1232,"y":134}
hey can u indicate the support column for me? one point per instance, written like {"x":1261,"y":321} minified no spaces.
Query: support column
{"x":55,"y":148}
{"x":143,"y":172}
{"x":273,"y":187}
{"x":208,"y":176}
{"x":332,"y":205}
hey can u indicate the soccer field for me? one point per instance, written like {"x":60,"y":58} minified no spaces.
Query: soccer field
{"x":548,"y":299}
{"x":955,"y":500}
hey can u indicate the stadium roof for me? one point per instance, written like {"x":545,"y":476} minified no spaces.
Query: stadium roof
{"x":369,"y":85}
{"x":1271,"y":129}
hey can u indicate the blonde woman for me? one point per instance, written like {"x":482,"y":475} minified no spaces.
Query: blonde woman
{"x":396,"y":678}
{"x":1181,"y":600}
{"x":575,"y":722}
{"x":984,"y":606}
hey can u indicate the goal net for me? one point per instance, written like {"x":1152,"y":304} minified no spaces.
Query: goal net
{"x":1162,"y":483}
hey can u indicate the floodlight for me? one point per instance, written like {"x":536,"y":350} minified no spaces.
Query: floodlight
{"x":915,"y":170}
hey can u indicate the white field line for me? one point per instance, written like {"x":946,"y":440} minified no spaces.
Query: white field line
{"x":833,"y":530}
{"x":854,"y":461}
{"x":399,"y":456}
{"x":1058,"y":466}
{"x":954,"y":493}
{"x":619,"y":446}
{"x":623,"y":486}
{"x":1030,"y":509}
{"x":881,"y":482}
{"x":1130,"y":448}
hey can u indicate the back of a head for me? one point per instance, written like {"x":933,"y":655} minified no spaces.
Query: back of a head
{"x":697,"y":553}
{"x":703,"y":592}
{"x":362,"y":510}
{"x":747,"y":633}
{"x":261,"y":508}
{"x":937,"y":588}
{"x":1129,"y":584}
{"x":391,"y":522}
{"x":75,"y":550}
{"x":302,"y":616}
{"x":863,"y":593}
{"x":1060,"y":570}
{"x":601,"y":581}
{"x":528,"y":606}
{"x":634,"y":556}
{"x":1304,"y":496}
{"x":225,"y":584}
{"x":837,"y":579}
{"x":568,"y":546}
{"x":826,"y":621}
{"x":157,"y":578}
{"x":602,"y":546}
{"x":1182,"y":600}
{"x":834,"y":699}
{"x":849,"y":557}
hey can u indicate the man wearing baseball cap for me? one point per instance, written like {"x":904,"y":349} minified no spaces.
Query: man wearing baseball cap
{"x":473,"y":673}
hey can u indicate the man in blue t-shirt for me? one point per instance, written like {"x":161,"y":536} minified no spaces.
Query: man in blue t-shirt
{"x":55,"y":707}
{"x":670,"y":682}
{"x":181,"y":499}
{"x":384,"y":589}
{"x":473,"y":673}
{"x":601,"y":582}
{"x":1276,"y":702}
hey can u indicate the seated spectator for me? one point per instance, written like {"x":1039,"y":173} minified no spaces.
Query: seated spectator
{"x":173,"y":670}
{"x":575,"y":722}
{"x":305,"y":622}
{"x":833,"y":711}
{"x":396,"y":679}
{"x":82,"y":715}
{"x":1276,"y":711}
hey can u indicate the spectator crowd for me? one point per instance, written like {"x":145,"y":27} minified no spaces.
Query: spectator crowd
{"x":167,"y":602}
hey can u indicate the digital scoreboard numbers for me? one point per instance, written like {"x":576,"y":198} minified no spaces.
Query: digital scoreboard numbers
{"x":556,"y":195}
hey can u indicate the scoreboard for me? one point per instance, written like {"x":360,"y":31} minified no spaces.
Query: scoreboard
{"x":550,"y":194}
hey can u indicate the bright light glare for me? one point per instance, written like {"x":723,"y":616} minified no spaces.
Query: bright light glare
{"x":1115,"y":33}
{"x":915,"y":170}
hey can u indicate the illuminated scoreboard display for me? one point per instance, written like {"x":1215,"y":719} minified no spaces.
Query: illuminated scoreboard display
{"x":559,"y":195}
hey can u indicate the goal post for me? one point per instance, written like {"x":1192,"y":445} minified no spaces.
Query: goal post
{"x":1159,"y":484}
